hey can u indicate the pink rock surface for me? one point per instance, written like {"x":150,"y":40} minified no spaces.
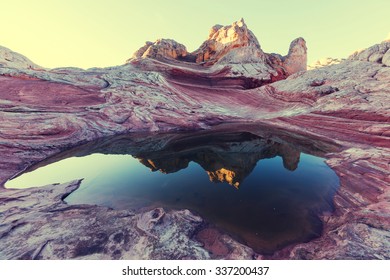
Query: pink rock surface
{"x":235,"y":50}
{"x":224,"y":39}
{"x":43,"y":112}
{"x":296,"y":59}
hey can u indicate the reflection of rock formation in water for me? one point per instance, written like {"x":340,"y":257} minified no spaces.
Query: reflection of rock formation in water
{"x":290,"y":157}
{"x":224,"y":175}
{"x":165,"y":165}
{"x":229,"y":162}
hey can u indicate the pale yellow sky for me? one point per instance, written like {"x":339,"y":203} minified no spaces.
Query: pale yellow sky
{"x":88,"y":33}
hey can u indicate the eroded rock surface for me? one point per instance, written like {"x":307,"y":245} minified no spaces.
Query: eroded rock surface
{"x":51,"y":228}
{"x":235,"y":38}
{"x":9,"y":58}
{"x":231,"y":51}
{"x":44,"y":112}
{"x":162,"y":48}
{"x":296,"y":59}
{"x":378,"y":53}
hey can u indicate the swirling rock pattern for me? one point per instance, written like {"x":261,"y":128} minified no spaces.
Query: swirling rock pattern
{"x":43,"y":112}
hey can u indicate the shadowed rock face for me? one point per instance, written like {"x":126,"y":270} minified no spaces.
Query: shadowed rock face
{"x":230,"y":164}
{"x":225,"y":156}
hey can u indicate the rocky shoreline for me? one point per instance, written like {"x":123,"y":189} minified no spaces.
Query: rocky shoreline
{"x":345,"y":105}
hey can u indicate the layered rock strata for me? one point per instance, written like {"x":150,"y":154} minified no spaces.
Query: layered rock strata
{"x":44,"y":112}
{"x":235,"y":50}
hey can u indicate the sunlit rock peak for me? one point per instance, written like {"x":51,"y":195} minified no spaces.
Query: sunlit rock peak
{"x":233,"y":45}
{"x":224,"y":39}
{"x":296,"y":59}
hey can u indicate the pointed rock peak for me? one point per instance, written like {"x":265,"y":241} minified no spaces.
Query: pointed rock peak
{"x":296,"y":59}
{"x":240,"y":23}
{"x":230,"y":39}
{"x":297,"y":47}
{"x":237,"y":31}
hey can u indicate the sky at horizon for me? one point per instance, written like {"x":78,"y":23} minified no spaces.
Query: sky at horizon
{"x":100,"y":33}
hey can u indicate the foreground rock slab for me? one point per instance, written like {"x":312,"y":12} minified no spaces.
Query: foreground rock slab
{"x":38,"y":224}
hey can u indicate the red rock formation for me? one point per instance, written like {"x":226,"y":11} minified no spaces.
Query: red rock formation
{"x":296,"y":59}
{"x":346,"y":105}
{"x":233,"y":48}
{"x":224,"y":39}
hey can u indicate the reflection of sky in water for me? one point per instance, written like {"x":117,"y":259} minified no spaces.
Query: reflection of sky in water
{"x":272,"y":208}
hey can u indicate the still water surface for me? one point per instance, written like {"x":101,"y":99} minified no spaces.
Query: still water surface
{"x":265,"y":193}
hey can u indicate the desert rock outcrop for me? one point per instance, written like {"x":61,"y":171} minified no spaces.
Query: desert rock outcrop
{"x":9,"y":58}
{"x":233,"y":49}
{"x":296,"y":59}
{"x":44,"y":112}
{"x":378,"y":53}
{"x":224,"y":39}
{"x":162,"y":48}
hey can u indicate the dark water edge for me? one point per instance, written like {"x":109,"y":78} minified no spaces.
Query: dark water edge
{"x":260,"y":189}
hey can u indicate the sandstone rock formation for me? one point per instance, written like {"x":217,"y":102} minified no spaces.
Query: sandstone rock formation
{"x":50,"y":225}
{"x":233,"y":50}
{"x":378,"y":53}
{"x":296,"y":59}
{"x":44,"y":112}
{"x":13,"y":59}
{"x":162,"y":48}
{"x":386,"y":58}
{"x":223,"y":40}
